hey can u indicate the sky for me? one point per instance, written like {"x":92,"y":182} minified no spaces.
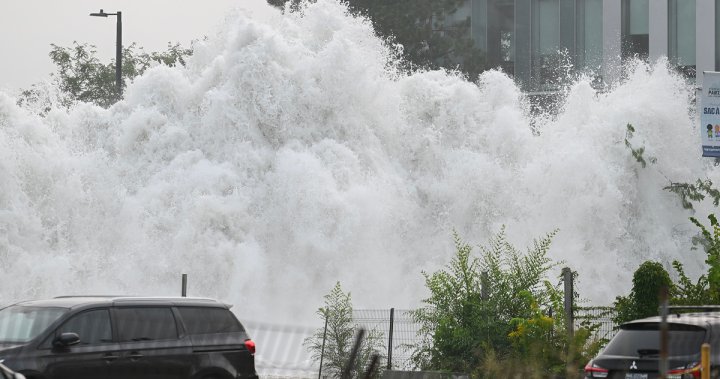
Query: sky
{"x":29,"y":27}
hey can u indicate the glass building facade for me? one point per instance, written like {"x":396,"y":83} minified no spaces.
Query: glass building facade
{"x":681,"y":35}
{"x":635,"y":21}
{"x":540,"y":41}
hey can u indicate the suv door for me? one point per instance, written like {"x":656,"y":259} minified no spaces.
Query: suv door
{"x":219,"y":338}
{"x":91,"y":358}
{"x":150,"y":344}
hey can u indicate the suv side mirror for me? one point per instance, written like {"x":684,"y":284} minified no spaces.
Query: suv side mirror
{"x":66,"y":339}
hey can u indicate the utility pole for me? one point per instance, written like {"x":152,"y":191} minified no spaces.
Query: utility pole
{"x":118,"y":50}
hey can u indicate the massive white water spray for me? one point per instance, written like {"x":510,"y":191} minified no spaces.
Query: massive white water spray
{"x":291,"y":154}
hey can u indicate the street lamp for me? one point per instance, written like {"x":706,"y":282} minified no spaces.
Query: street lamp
{"x":118,"y":48}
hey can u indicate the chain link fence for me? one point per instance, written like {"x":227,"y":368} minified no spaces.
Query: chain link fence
{"x":401,"y":342}
{"x":598,"y":318}
{"x":281,"y":353}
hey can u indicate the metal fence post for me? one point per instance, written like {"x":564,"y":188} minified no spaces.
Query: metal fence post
{"x":347,"y":370}
{"x":372,"y":367}
{"x":567,"y":275}
{"x":705,"y":361}
{"x":484,"y":294}
{"x":484,"y":285}
{"x":663,"y":332}
{"x":569,"y":294}
{"x":390,"y":339}
{"x":184,"y":285}
{"x":322,"y":349}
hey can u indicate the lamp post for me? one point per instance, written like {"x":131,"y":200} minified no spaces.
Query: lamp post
{"x":118,"y":48}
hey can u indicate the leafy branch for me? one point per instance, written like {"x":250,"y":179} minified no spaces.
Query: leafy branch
{"x":637,"y":153}
{"x":688,"y":192}
{"x":694,"y":192}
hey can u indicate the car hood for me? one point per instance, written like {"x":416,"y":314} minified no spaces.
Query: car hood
{"x":6,"y":346}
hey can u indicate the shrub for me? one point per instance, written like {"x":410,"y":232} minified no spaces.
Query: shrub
{"x":643,"y":300}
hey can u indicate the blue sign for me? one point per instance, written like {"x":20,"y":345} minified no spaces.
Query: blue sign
{"x":710,"y":114}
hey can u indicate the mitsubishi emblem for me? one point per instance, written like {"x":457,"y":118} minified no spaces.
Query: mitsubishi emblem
{"x":633,"y":366}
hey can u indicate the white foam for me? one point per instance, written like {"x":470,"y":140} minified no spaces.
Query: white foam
{"x":292,"y":154}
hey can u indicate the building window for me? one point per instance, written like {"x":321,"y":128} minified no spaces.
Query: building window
{"x":681,"y":35}
{"x":590,"y":36}
{"x":635,"y":29}
{"x":501,"y":36}
{"x":547,"y":57}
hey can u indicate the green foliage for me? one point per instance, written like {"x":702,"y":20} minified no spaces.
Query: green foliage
{"x":644,"y":300}
{"x":707,"y":288}
{"x":694,"y":192}
{"x":687,"y":192}
{"x":638,"y":153}
{"x":542,"y":339}
{"x":689,"y":293}
{"x":452,"y":323}
{"x":82,"y":77}
{"x":546,"y":363}
{"x":340,"y":336}
{"x":425,"y":28}
{"x":534,"y":338}
{"x":712,"y":249}
{"x":520,"y":318}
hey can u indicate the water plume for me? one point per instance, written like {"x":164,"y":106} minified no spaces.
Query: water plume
{"x":292,"y":153}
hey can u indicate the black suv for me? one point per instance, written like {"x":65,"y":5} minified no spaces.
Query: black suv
{"x":634,"y":352}
{"x":125,"y":337}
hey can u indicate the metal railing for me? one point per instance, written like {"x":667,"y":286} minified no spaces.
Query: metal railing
{"x":403,"y":338}
{"x":598,"y":318}
{"x":281,"y":353}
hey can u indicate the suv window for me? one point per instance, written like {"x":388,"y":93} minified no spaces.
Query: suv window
{"x":93,"y":327}
{"x":202,"y":320}
{"x":145,"y":324}
{"x":644,"y":340}
{"x":21,"y":324}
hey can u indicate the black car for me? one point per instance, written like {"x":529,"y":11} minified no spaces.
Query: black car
{"x":125,"y":337}
{"x":634,"y":352}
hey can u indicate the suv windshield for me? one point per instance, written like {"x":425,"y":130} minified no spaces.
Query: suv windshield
{"x":643,"y":340}
{"x":21,"y":324}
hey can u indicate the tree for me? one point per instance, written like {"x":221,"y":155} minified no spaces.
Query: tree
{"x":711,"y":242}
{"x":688,"y":192}
{"x":689,"y":293}
{"x":707,"y":288}
{"x":82,"y":77}
{"x":335,"y":344}
{"x":643,"y":300}
{"x":463,"y":325}
{"x":426,"y":29}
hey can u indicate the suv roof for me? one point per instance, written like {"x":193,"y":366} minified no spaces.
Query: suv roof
{"x":696,"y":318}
{"x":84,"y":300}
